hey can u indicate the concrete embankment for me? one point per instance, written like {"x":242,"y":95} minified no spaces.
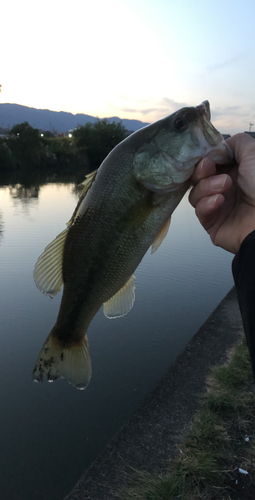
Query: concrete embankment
{"x":149,"y":438}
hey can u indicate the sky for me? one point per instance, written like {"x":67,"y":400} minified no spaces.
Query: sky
{"x":138,"y":59}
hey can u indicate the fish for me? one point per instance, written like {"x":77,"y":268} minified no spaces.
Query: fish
{"x":124,"y":208}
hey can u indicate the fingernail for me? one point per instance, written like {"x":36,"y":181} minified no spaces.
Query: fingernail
{"x":218,"y":182}
{"x":212,"y":200}
{"x":201,"y":164}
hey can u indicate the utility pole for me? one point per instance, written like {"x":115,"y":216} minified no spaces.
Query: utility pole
{"x":251,"y":125}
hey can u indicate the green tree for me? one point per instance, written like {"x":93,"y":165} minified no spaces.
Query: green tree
{"x":6,"y":158}
{"x":98,"y":139}
{"x":26,"y":146}
{"x":62,"y":154}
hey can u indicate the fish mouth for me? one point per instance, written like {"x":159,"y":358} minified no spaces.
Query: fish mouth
{"x":212,"y":136}
{"x":204,"y":110}
{"x":204,"y":135}
{"x":212,"y":145}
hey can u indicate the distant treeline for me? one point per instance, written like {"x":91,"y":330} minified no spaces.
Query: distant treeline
{"x":28,"y":151}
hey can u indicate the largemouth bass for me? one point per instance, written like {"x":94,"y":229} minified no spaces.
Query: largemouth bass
{"x":125,"y":208}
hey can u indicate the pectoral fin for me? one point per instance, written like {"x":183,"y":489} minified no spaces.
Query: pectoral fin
{"x":48,"y":268}
{"x":122,"y":302}
{"x":161,"y":235}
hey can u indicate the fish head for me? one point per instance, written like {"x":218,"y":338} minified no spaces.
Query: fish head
{"x":175,"y":145}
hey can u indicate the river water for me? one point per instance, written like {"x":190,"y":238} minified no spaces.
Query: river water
{"x":51,"y":432}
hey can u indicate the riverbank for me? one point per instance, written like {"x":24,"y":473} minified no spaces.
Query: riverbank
{"x":216,"y":459}
{"x":149,"y":439}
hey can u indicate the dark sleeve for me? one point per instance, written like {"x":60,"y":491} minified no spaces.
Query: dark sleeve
{"x":243,"y":268}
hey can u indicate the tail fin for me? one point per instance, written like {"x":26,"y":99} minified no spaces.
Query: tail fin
{"x":72,"y":363}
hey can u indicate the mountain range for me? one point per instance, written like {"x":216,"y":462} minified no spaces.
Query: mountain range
{"x":60,"y":121}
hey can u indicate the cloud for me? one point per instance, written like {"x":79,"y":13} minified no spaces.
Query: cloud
{"x":166,"y":102}
{"x":225,"y":64}
{"x":229,"y":119}
{"x":233,"y":119}
{"x":159,"y":108}
{"x":230,"y":110}
{"x":144,"y":111}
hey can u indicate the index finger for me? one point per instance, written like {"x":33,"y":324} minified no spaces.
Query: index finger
{"x":242,"y":145}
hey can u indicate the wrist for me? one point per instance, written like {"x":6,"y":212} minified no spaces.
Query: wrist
{"x":245,"y":233}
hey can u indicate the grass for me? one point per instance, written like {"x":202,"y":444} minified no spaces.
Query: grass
{"x":220,"y":442}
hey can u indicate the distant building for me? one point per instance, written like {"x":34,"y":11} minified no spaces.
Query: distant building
{"x":69,"y":133}
{"x":252,"y":134}
{"x":4,"y":132}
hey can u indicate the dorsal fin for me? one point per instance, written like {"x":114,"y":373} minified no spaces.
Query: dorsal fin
{"x":122,"y":302}
{"x":87,"y":183}
{"x":161,"y":235}
{"x":48,"y":268}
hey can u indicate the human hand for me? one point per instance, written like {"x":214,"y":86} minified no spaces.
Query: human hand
{"x":225,"y":203}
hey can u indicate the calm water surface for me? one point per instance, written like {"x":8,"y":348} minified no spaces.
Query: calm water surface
{"x":51,"y":432}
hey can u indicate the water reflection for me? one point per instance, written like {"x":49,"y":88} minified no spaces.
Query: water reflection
{"x":43,"y":424}
{"x":22,"y":192}
{"x":40,"y":178}
{"x":1,"y":225}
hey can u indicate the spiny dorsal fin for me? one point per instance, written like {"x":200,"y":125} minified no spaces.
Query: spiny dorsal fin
{"x":122,"y":302}
{"x":161,"y":235}
{"x":48,"y":268}
{"x":87,"y":183}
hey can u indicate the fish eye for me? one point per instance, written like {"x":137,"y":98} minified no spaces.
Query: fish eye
{"x":180,"y":124}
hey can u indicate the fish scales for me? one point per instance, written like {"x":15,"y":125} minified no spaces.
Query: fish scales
{"x":125,"y":208}
{"x":105,"y":263}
